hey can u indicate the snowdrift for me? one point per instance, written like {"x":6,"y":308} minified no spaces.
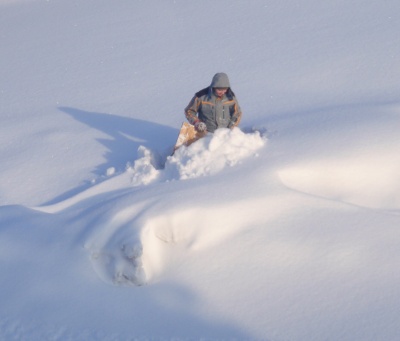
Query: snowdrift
{"x":234,"y":210}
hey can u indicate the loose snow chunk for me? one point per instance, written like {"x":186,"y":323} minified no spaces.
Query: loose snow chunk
{"x":212,"y":153}
{"x":110,"y":171}
{"x":143,"y":171}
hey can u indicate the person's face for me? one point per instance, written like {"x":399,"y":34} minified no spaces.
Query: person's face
{"x":219,"y":92}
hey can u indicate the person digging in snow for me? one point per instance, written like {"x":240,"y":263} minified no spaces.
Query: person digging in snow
{"x":214,"y":107}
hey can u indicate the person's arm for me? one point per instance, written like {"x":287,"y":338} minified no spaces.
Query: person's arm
{"x":191,"y":110}
{"x":236,"y":116}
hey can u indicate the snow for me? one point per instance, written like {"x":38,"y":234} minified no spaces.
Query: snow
{"x":284,"y":229}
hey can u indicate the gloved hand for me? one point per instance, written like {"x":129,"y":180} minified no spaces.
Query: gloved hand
{"x":232,"y":123}
{"x":200,"y":126}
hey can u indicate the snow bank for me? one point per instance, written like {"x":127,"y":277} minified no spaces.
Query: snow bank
{"x":207,"y":156}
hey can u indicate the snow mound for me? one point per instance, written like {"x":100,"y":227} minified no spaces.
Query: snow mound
{"x":208,"y":156}
{"x":212,"y":154}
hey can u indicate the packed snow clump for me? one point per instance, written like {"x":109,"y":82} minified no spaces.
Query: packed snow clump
{"x":144,"y":169}
{"x":207,"y":156}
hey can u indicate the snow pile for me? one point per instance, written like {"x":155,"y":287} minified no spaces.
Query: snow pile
{"x":207,"y":156}
{"x":210,"y":155}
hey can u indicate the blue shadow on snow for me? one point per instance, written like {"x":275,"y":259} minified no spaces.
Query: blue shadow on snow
{"x":125,"y":134}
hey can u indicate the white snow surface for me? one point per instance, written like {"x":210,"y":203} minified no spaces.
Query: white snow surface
{"x":285,"y":229}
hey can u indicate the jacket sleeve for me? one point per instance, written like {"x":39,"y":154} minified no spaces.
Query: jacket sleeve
{"x":192,"y":109}
{"x":237,"y":115}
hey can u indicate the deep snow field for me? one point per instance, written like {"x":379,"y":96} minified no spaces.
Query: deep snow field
{"x":285,"y":229}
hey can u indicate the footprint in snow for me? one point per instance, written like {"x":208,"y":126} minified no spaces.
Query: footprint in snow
{"x":122,"y":266}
